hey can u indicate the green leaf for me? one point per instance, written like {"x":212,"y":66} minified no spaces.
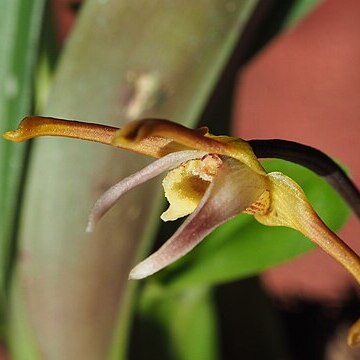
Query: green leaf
{"x":20,"y":24}
{"x":125,"y":60}
{"x":299,"y":9}
{"x":243,"y":247}
{"x":176,"y":325}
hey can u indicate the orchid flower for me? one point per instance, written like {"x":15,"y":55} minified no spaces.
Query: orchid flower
{"x":210,"y":179}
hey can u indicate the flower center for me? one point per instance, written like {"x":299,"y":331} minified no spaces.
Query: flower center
{"x":185,"y":185}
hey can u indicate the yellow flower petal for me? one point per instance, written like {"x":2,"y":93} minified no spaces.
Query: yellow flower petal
{"x":151,"y":137}
{"x":199,"y":139}
{"x":290,"y":207}
{"x":353,"y":338}
{"x":33,"y":126}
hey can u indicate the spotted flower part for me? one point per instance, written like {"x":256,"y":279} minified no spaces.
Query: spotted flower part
{"x":209,"y":178}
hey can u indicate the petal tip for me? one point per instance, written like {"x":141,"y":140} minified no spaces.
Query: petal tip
{"x":140,"y":272}
{"x":147,"y":267}
{"x":11,"y":135}
{"x":353,"y":338}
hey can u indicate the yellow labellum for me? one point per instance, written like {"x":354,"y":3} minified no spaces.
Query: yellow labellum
{"x":185,"y":186}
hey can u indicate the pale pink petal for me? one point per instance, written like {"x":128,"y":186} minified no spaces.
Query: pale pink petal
{"x":233,"y":189}
{"x":111,"y":196}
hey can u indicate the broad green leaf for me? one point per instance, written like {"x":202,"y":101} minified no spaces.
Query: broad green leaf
{"x":243,"y":247}
{"x":125,"y":60}
{"x":176,"y":325}
{"x":24,"y":346}
{"x":20,"y":24}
